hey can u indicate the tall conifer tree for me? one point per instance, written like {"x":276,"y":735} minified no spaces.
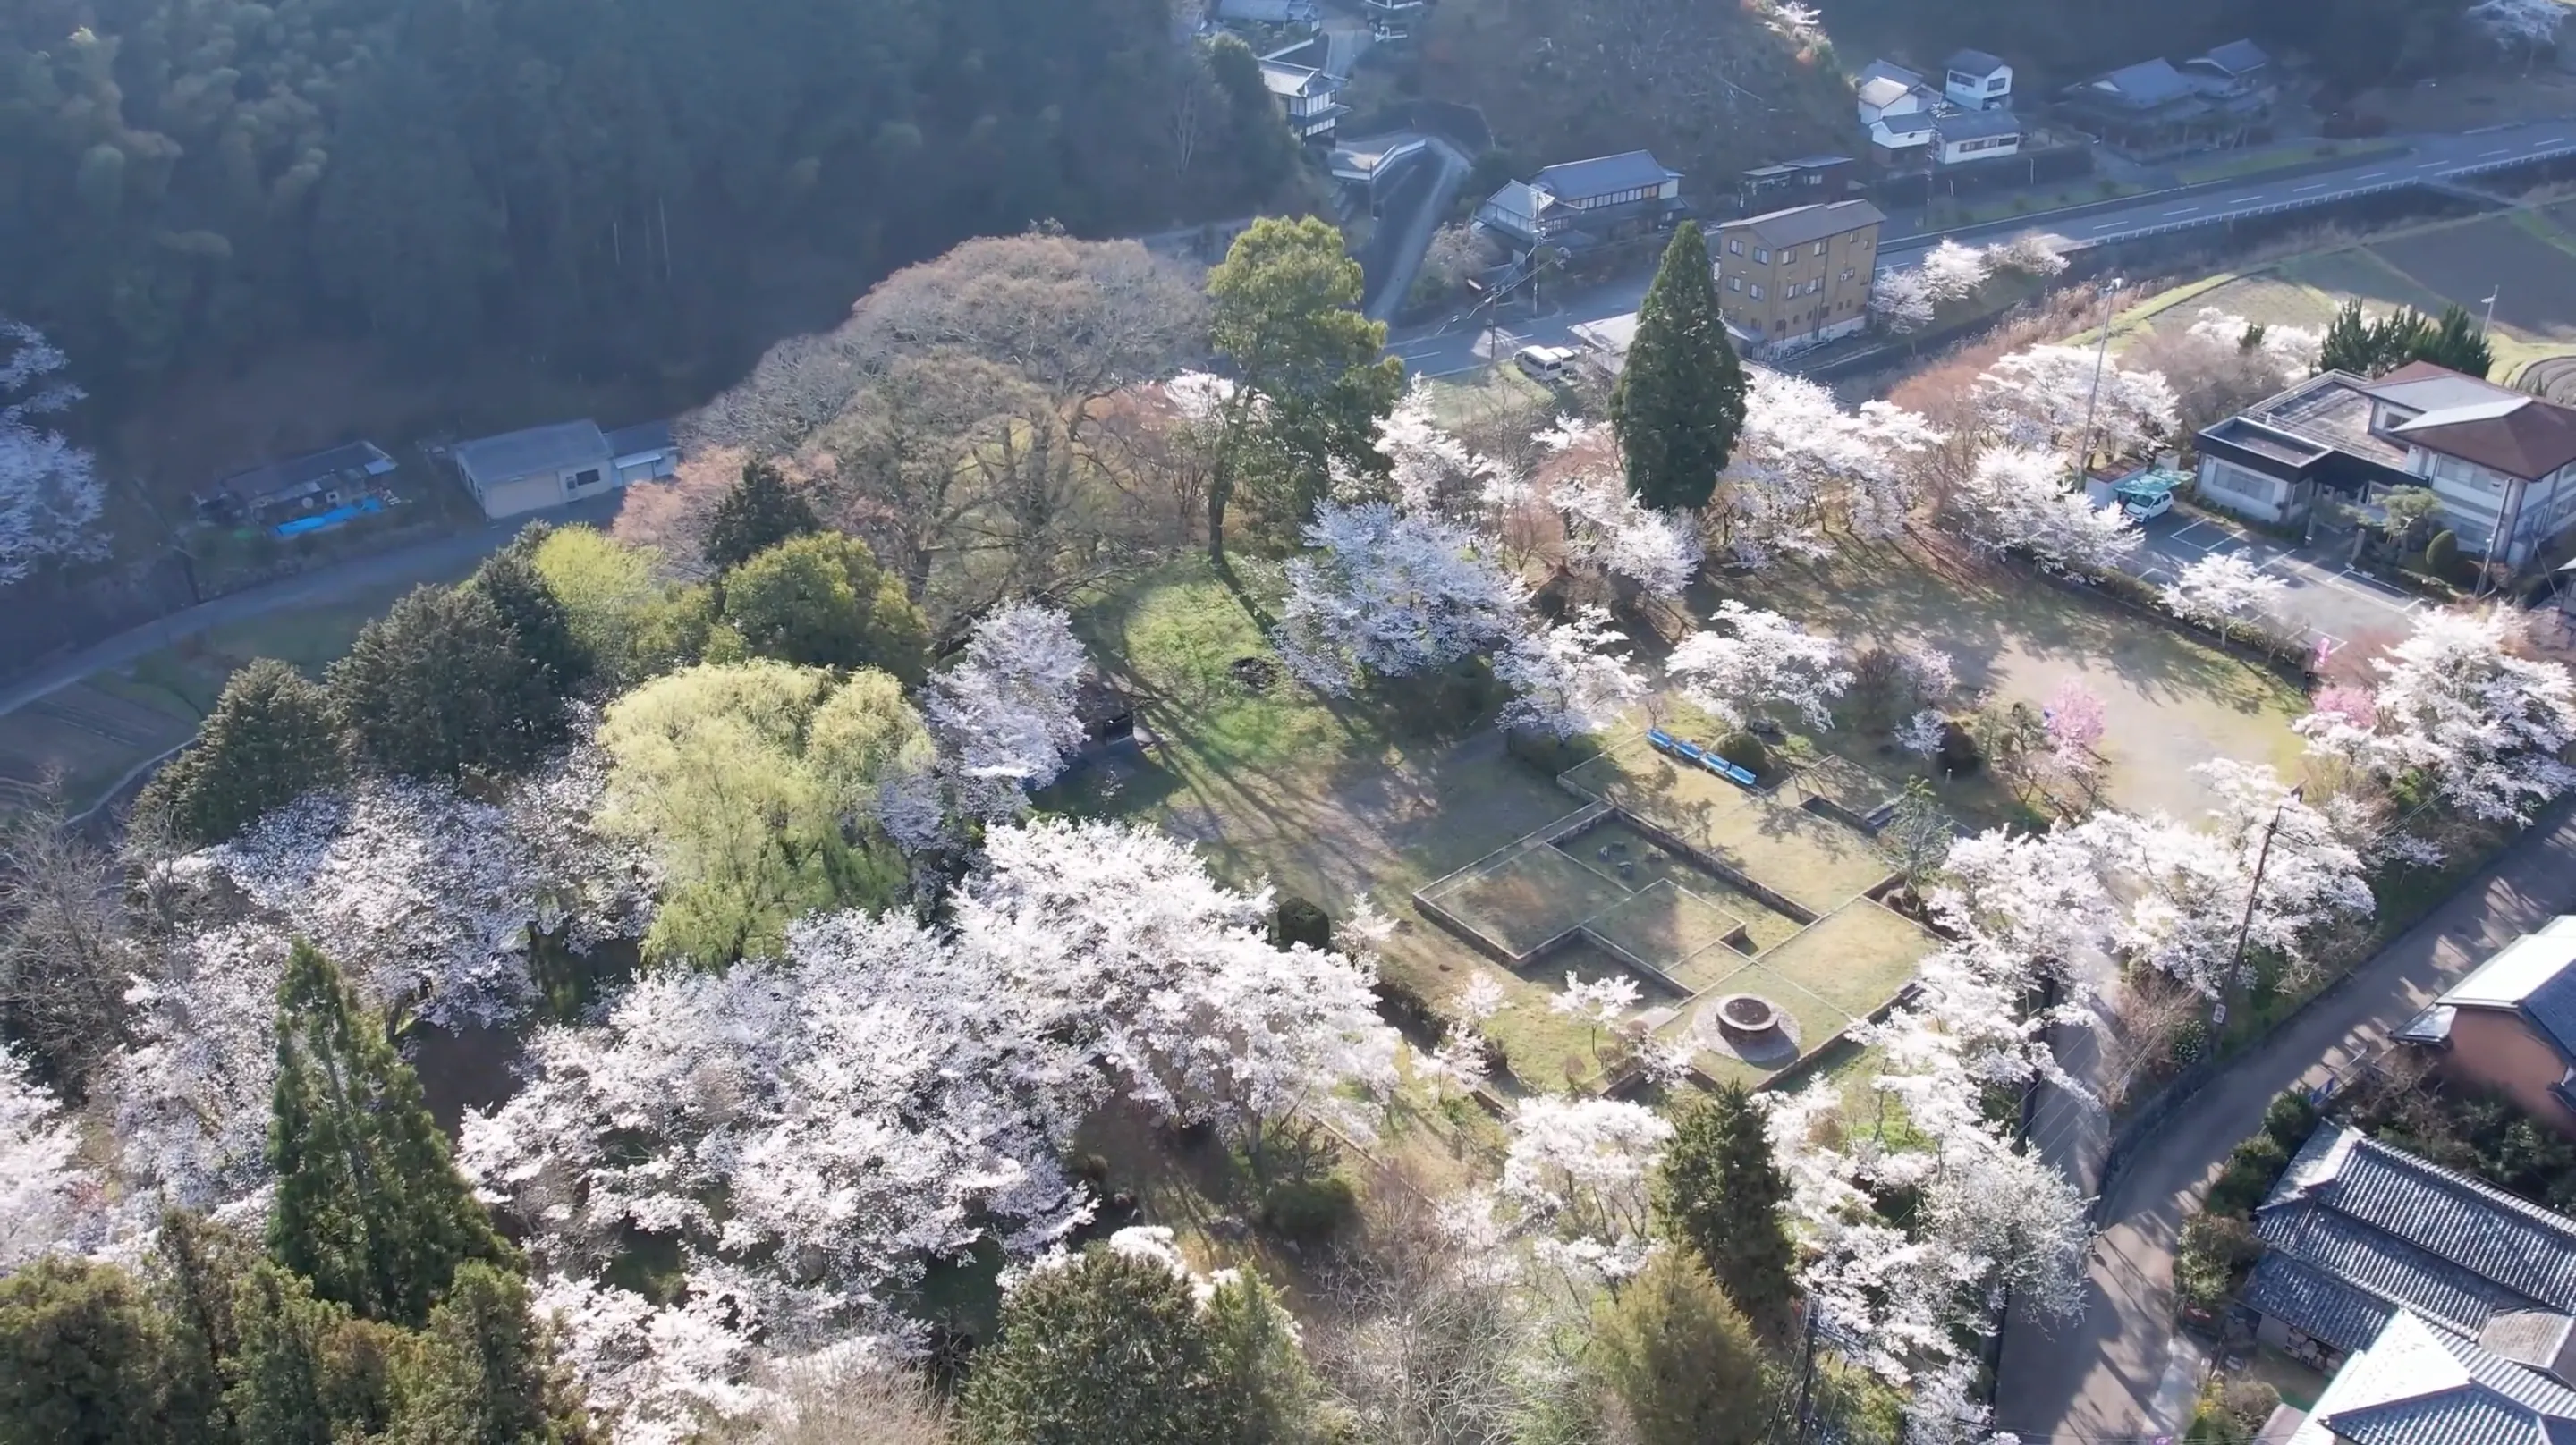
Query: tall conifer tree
{"x":1680,"y":398}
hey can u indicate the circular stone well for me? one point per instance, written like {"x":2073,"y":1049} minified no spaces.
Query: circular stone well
{"x":1746,"y":1015}
{"x":1750,"y":1027}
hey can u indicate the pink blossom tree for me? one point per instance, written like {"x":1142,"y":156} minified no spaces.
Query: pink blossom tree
{"x":2076,"y":724}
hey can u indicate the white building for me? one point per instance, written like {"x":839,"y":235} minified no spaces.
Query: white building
{"x":1974,"y":80}
{"x":547,"y":466}
{"x":1975,"y":135}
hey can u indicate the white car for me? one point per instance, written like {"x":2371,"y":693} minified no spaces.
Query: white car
{"x":1550,"y":364}
{"x":2146,"y":502}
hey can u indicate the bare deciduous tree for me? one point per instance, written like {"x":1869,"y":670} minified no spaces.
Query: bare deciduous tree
{"x":64,"y":952}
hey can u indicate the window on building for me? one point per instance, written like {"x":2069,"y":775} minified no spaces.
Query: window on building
{"x":1820,"y":248}
{"x":1735,"y":245}
{"x":1734,"y":283}
{"x":1757,"y":290}
{"x":1761,"y":257}
{"x":588,"y":477}
{"x":1847,"y":273}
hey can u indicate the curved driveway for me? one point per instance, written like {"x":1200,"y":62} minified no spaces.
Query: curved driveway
{"x":2116,"y":1374}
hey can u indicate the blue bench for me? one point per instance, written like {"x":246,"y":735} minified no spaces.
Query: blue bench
{"x":1728,"y":771}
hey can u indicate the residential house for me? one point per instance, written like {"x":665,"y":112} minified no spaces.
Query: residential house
{"x":1896,"y":109}
{"x":1583,"y":205}
{"x":1974,"y":80}
{"x":547,"y":466}
{"x":2510,"y":1026}
{"x":2155,"y":106}
{"x":2271,"y":461}
{"x":2501,"y":463}
{"x":2414,"y":1384}
{"x":1393,"y":19}
{"x":279,"y":491}
{"x":1308,"y":95}
{"x":2358,"y":1233}
{"x":1963,"y":136}
{"x":2234,"y":71}
{"x":1798,"y":276}
{"x":1808,"y":178}
{"x":1257,"y":14}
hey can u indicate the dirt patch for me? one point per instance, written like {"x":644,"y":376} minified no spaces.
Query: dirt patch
{"x":2533,"y":281}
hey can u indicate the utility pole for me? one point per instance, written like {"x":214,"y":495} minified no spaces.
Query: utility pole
{"x":1807,"y":1375}
{"x":2093,"y":399}
{"x":2253,"y":890}
{"x":2489,"y":324}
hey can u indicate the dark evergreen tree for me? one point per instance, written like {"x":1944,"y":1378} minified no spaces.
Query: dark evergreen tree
{"x":1108,"y":1350}
{"x":438,"y":687}
{"x":2349,"y":345}
{"x":528,"y":603}
{"x":369,"y":1206}
{"x":760,"y":512}
{"x":1679,"y":401}
{"x":85,"y":1356}
{"x":822,"y":601}
{"x":2459,"y":342}
{"x":1721,"y":1192}
{"x":284,"y":1387}
{"x":270,"y":738}
{"x":1682,"y":1358}
{"x":199,"y":1268}
{"x":479,"y":1372}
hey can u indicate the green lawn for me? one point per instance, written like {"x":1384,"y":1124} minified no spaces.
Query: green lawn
{"x":1854,"y":958}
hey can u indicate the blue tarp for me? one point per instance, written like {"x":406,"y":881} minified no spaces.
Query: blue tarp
{"x":325,"y":521}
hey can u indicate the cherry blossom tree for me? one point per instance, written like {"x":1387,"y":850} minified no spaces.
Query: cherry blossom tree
{"x":1922,"y":733}
{"x":1607,"y":533}
{"x":1952,"y":272}
{"x":1005,"y":711}
{"x":2016,"y":499}
{"x":1582,"y":1168}
{"x":814,"y":1131}
{"x":2047,"y":397}
{"x":1390,"y":595}
{"x":1570,"y":679}
{"x":2076,"y":723}
{"x":2221,"y":588}
{"x":1431,"y":470}
{"x":2032,"y":253}
{"x":1902,"y":300}
{"x":2528,"y":24}
{"x":2294,"y":349}
{"x":2188,"y":890}
{"x":1759,"y":660}
{"x":1802,"y":462}
{"x":1132,"y":954}
{"x":50,"y":493}
{"x":2037,"y":897}
{"x":43,"y":1189}
{"x":656,"y":1374}
{"x":2457,"y":707}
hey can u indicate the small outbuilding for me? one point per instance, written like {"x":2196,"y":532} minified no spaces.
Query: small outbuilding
{"x":548,"y":466}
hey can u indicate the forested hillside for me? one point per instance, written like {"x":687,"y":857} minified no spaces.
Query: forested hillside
{"x":597,"y":183}
{"x":1710,"y":88}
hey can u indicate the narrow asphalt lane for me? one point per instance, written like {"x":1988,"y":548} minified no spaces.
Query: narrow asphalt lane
{"x":2119,"y":1373}
{"x":432,"y":559}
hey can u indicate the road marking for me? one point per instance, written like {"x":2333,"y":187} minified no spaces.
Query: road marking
{"x":2370,"y":176}
{"x":2107,"y":225}
{"x":2319,"y":186}
{"x":2183,"y":211}
{"x":2244,"y":200}
{"x":2508,"y":150}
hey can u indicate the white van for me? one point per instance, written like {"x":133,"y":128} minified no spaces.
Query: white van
{"x":1550,"y":364}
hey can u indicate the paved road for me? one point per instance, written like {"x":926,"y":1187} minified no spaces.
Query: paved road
{"x":2453,"y":160}
{"x":2331,"y":604}
{"x":2119,"y":1373}
{"x":430,"y":560}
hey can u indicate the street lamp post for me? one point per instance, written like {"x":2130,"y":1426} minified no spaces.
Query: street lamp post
{"x":2489,"y":324}
{"x":2253,"y":890}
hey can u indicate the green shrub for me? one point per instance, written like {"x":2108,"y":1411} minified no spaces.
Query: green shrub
{"x":2249,"y":1175}
{"x":2215,"y":1252}
{"x":1300,"y":920}
{"x":1747,"y":752}
{"x":1309,"y":1211}
{"x":2290,"y":1120}
{"x":2442,"y":554}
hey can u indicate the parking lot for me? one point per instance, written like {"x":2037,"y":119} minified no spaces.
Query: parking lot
{"x":2334,"y":606}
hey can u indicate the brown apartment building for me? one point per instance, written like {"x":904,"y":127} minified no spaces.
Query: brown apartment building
{"x":1799,"y":275}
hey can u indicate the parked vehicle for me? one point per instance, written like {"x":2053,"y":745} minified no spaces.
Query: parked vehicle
{"x":1550,"y":364}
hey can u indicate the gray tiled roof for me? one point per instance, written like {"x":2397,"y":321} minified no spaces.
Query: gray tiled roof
{"x":2378,"y":1263}
{"x":1799,"y":225}
{"x":1975,"y":125}
{"x":2299,"y":1294}
{"x":2417,"y":1385}
{"x":2237,"y":57}
{"x":644,"y":436}
{"x":2144,"y":85}
{"x":2474,"y":1225}
{"x":1602,"y":175}
{"x":1975,"y":62}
